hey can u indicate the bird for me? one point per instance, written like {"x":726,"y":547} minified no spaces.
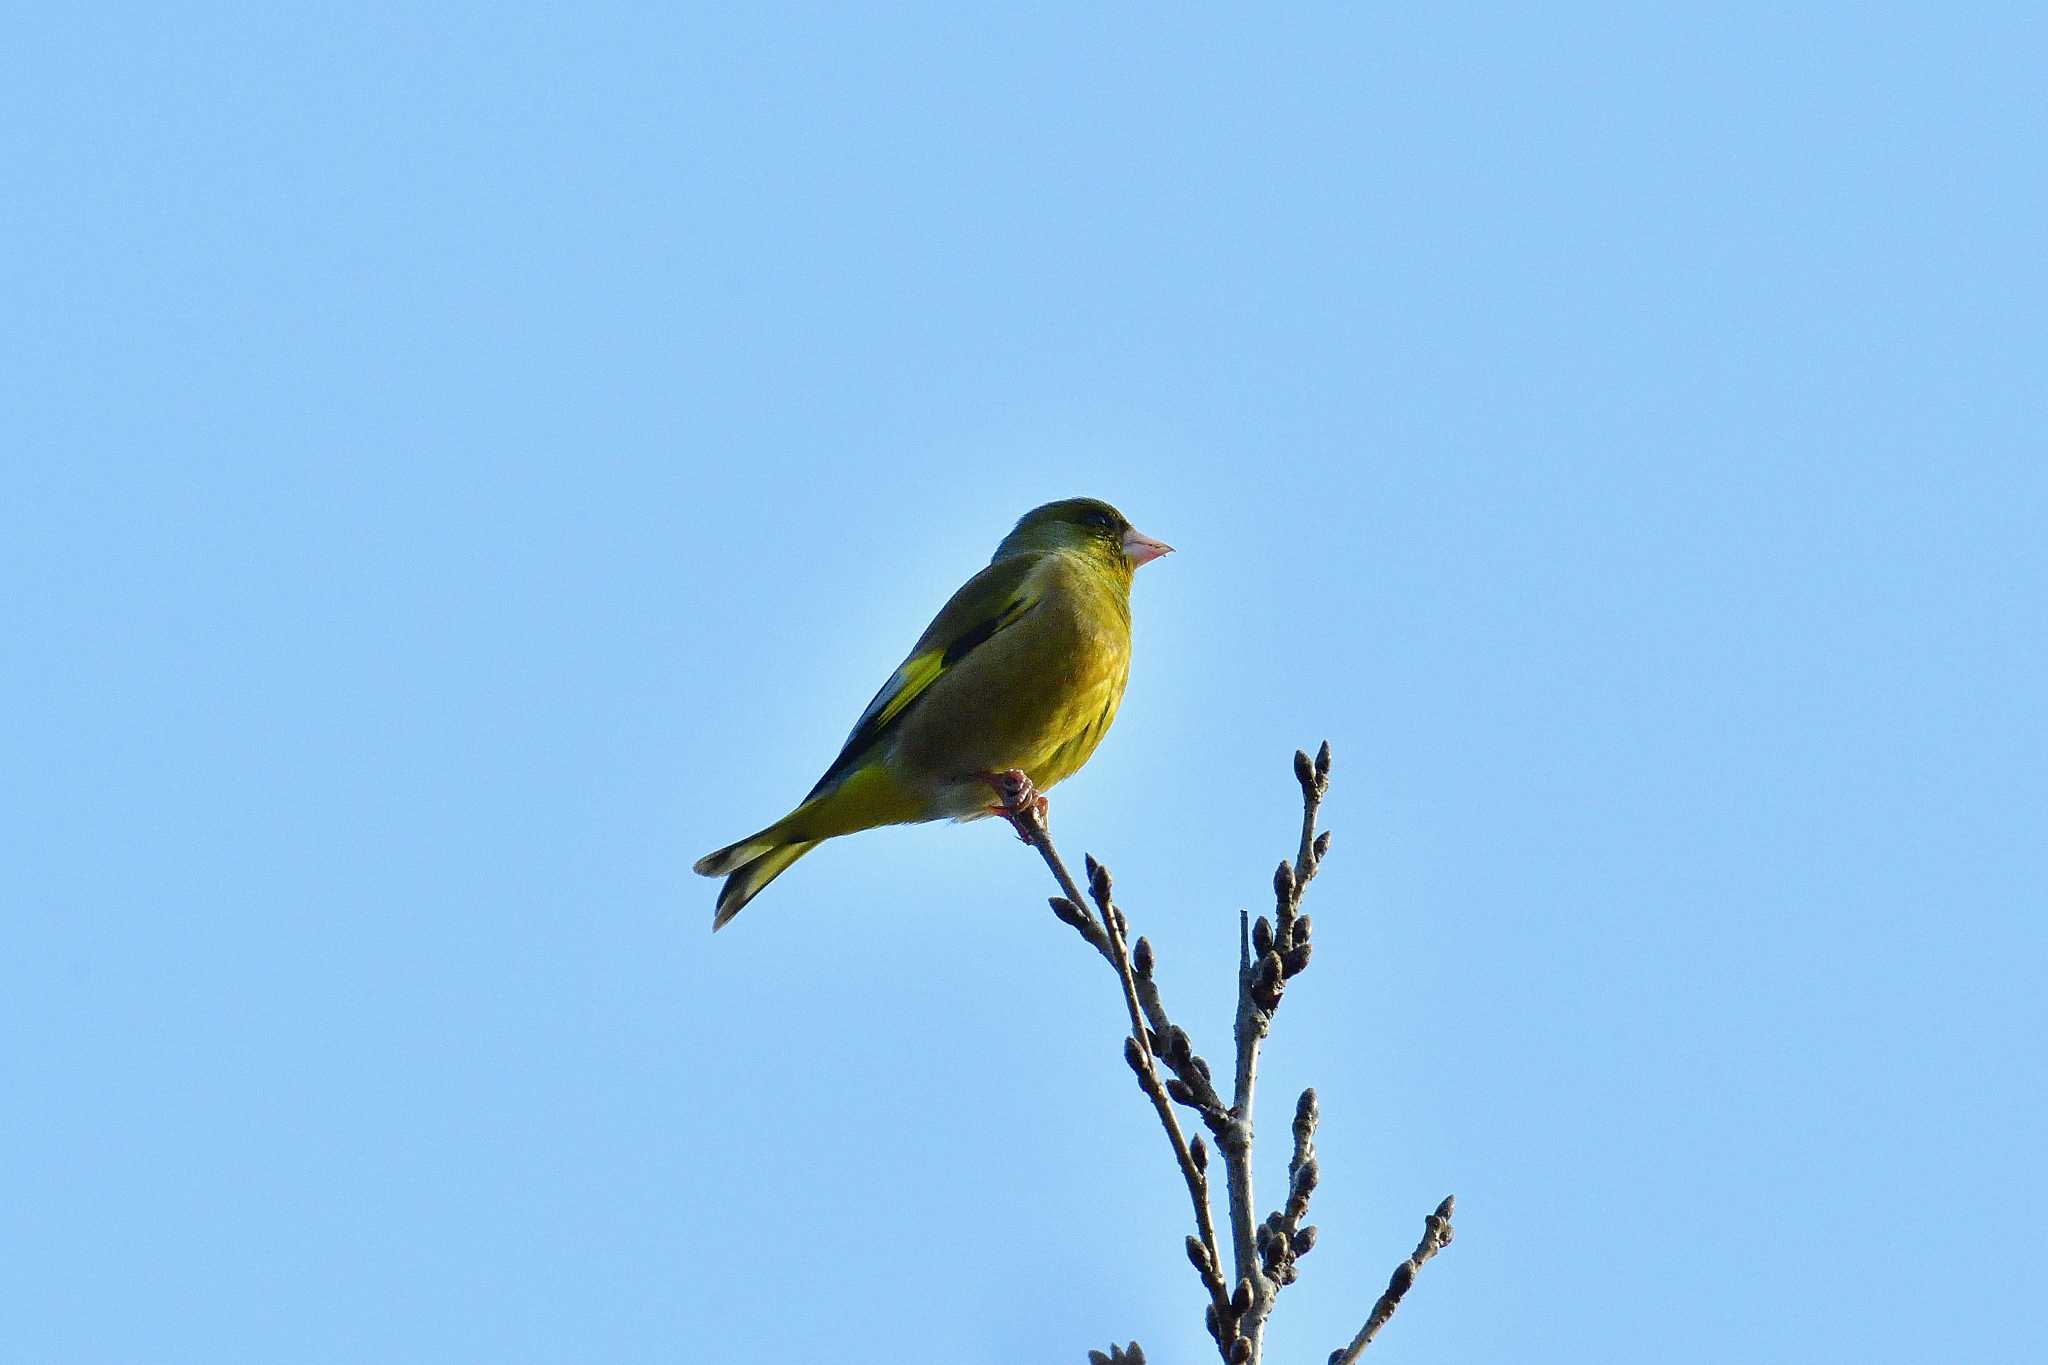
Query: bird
{"x":1018,"y":676}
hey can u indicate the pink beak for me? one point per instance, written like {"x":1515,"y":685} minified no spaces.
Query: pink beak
{"x":1142,"y":549}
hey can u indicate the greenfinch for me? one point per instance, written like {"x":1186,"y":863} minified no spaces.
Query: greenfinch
{"x":1021,"y":670}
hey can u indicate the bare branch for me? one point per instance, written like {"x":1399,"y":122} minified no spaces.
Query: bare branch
{"x":1270,"y":954}
{"x":1172,"y":1046}
{"x":1436,"y":1235}
{"x":1251,"y":1026}
{"x":1282,"y":1239}
{"x":1021,"y":806}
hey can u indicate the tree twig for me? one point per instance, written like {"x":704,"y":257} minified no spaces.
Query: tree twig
{"x":1282,"y":1239}
{"x":1107,"y":937}
{"x":1250,"y":1029}
{"x":1436,"y":1235}
{"x":1270,"y":953}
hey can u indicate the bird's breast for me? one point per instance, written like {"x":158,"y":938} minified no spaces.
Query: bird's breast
{"x":1038,"y":696}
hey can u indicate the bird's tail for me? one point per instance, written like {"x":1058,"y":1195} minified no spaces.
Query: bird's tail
{"x":747,"y":867}
{"x":860,"y":800}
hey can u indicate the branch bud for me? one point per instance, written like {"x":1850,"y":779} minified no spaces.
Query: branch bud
{"x":1297,"y":959}
{"x":1133,"y":1057}
{"x":1398,"y":1282}
{"x":1241,"y":1301}
{"x":1141,"y":958}
{"x":1199,"y":1150}
{"x":1283,"y":883}
{"x":1323,"y":762}
{"x":1267,"y":979}
{"x":1240,"y":1351}
{"x":1262,"y":937}
{"x":1306,"y":1112}
{"x":1301,"y":929}
{"x":1068,"y":912}
{"x":1304,"y":773}
{"x":1322,"y":845}
{"x":1301,"y":1187}
{"x":1305,"y":1240}
{"x":1098,"y":879}
{"x":1198,"y":1255}
{"x":1177,"y":1090}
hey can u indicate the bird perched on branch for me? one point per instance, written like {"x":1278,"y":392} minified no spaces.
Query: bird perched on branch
{"x":1020,"y":672}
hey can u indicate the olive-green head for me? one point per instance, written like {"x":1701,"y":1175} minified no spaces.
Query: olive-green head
{"x":1087,"y":525}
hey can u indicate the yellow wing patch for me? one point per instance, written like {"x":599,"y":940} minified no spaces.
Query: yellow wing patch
{"x":913,"y":678}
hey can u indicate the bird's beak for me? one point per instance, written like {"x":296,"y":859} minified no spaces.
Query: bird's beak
{"x":1142,"y":549}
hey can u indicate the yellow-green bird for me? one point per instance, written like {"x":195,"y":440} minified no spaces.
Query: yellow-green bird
{"x":1022,"y":669}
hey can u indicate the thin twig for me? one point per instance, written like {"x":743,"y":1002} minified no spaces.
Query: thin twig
{"x":1270,"y":953}
{"x":1314,"y":783}
{"x":1250,"y":1029}
{"x":1436,"y":1235}
{"x":1148,"y":1073}
{"x":1268,"y":956}
{"x":1022,"y":807}
{"x":1171,"y":1046}
{"x":1282,"y":1239}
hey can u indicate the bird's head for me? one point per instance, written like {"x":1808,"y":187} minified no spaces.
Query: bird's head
{"x":1087,"y":525}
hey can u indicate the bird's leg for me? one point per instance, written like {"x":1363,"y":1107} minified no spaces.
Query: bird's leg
{"x":1016,"y":799}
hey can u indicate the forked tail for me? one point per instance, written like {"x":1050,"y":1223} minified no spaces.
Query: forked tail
{"x":861,"y":799}
{"x":747,"y":867}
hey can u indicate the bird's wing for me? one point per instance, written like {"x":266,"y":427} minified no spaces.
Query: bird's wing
{"x":987,"y":604}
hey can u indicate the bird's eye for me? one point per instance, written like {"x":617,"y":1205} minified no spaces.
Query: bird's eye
{"x":1098,"y":519}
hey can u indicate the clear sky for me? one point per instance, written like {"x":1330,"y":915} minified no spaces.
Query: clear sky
{"x":463,"y":463}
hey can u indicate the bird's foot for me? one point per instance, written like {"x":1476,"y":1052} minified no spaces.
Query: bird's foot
{"x":1017,"y":801}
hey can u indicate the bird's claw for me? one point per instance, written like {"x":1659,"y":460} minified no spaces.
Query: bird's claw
{"x":1017,"y":799}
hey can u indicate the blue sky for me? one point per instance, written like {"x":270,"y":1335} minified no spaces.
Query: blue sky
{"x":460,"y":467}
